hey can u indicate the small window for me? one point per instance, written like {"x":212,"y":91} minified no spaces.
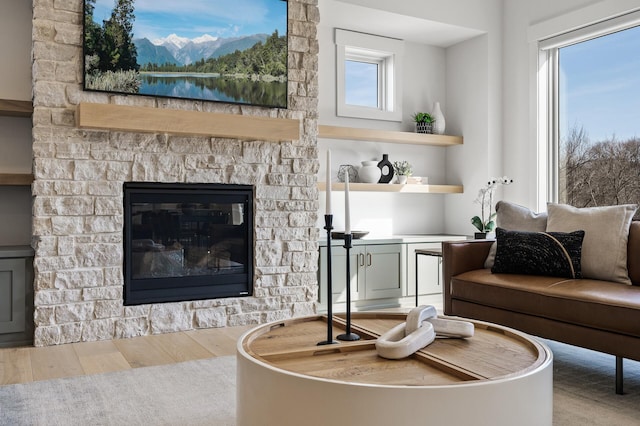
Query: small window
{"x":362,"y":83}
{"x":367,"y":70}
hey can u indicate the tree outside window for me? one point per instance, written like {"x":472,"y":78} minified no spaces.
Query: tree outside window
{"x":599,"y":120}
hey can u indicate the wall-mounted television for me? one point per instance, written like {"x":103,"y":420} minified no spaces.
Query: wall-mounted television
{"x":232,"y":51}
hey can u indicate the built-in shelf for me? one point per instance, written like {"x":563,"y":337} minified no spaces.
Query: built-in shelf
{"x":390,"y":136}
{"x":12,"y":108}
{"x":385,"y":187}
{"x":161,"y":120}
{"x":15,"y":179}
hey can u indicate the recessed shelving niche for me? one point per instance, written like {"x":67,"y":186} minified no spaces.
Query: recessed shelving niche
{"x":390,"y":136}
{"x":13,"y":108}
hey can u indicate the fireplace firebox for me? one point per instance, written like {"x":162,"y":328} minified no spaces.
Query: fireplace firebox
{"x":187,"y":241}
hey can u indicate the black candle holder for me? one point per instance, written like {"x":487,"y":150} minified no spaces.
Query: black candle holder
{"x":348,"y":335}
{"x":328,"y":221}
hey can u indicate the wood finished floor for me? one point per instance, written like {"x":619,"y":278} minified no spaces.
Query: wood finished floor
{"x":29,"y":364}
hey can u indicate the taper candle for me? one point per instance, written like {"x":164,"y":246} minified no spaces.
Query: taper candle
{"x":328,"y":186}
{"x":347,"y":212}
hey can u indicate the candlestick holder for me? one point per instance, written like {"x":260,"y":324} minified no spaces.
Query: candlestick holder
{"x":348,"y":335}
{"x":328,"y":221}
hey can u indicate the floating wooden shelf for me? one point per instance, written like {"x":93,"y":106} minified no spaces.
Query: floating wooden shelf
{"x":13,"y":108}
{"x":160,"y":120}
{"x":16,"y":179}
{"x":389,"y":136}
{"x":385,"y":187}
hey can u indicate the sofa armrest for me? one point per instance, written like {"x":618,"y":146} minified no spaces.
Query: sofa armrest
{"x":459,"y":257}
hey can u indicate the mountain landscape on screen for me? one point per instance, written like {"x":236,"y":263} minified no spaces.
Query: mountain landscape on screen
{"x":222,"y":51}
{"x":185,"y":51}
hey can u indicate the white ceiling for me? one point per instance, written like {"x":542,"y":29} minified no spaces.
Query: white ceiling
{"x":383,"y":23}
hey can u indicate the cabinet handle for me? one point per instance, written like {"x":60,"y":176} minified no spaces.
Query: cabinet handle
{"x":361,"y":257}
{"x":369,"y":258}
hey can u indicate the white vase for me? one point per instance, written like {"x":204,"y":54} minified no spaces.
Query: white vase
{"x":402,"y":179}
{"x":439,"y":123}
{"x":369,"y":172}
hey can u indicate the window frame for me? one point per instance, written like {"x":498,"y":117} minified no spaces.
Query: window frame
{"x":547,"y":96}
{"x":386,"y":52}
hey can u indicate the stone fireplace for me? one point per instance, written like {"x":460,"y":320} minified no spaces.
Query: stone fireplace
{"x":78,"y":213}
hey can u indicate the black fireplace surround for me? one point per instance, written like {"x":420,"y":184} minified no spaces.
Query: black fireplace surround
{"x":187,"y":241}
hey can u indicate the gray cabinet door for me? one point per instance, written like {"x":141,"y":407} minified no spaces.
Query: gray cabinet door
{"x":12,"y":296}
{"x":384,"y":268}
{"x":339,"y":277}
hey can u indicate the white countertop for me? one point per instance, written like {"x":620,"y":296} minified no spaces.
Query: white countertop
{"x":396,"y":239}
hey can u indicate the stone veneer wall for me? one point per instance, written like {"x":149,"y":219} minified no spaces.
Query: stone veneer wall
{"x":78,"y":208}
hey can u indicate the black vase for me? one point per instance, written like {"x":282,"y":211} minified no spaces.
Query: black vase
{"x":387,"y":169}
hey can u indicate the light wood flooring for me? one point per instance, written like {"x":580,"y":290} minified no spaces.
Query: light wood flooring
{"x":28,"y":364}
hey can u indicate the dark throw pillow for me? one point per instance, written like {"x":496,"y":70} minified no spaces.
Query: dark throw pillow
{"x":556,"y":254}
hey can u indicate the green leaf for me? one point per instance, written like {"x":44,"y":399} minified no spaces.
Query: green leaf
{"x":490,"y":225}
{"x":477,"y":222}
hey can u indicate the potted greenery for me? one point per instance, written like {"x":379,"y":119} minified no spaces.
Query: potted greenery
{"x":403,"y":170}
{"x":424,"y":122}
{"x":485,"y":223}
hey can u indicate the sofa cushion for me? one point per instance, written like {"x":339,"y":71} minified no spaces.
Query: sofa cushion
{"x":604,"y":250}
{"x":515,"y":217}
{"x":633,"y":253}
{"x":538,"y":253}
{"x":602,"y":305}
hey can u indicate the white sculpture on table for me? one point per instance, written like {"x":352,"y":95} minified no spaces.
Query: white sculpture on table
{"x":420,"y":329}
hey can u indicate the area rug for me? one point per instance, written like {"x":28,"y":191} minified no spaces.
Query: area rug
{"x":584,"y":388}
{"x":189,"y":393}
{"x":203,"y":393}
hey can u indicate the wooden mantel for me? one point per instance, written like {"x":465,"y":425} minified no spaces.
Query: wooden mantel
{"x":157,"y":120}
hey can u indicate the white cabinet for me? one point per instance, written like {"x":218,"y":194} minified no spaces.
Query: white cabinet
{"x":377,"y":272}
{"x":383,"y":272}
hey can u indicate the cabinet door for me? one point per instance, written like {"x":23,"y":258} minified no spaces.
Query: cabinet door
{"x":339,"y":274}
{"x":385,"y":271}
{"x":429,"y":269}
{"x":12,"y":295}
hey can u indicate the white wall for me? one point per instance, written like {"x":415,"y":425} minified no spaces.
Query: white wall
{"x":15,"y":133}
{"x":467,"y":93}
{"x":15,"y":49}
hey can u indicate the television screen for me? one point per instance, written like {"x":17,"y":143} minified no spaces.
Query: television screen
{"x":231,"y":51}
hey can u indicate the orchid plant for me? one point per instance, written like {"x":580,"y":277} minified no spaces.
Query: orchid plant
{"x":485,"y":222}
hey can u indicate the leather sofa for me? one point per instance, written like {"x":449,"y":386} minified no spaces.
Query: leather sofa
{"x":594,"y":314}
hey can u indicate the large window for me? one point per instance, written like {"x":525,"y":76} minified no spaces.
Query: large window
{"x":594,"y":115}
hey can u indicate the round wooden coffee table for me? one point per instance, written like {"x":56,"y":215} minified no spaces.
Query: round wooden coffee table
{"x":497,"y":377}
